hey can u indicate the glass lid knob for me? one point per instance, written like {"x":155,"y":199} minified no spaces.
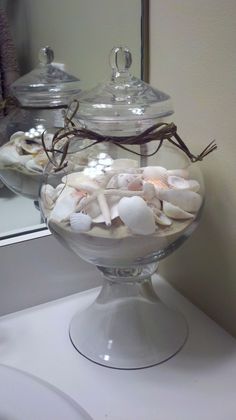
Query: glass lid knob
{"x":46,"y":55}
{"x":120,"y":60}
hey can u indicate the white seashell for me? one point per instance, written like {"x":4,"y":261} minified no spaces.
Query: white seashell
{"x":80,"y":222}
{"x":15,"y":137}
{"x":155,"y":172}
{"x":80,"y":181}
{"x":48,"y":194}
{"x":64,"y":206}
{"x":175,"y":212}
{"x":154,"y":204}
{"x":123,"y":180}
{"x":9,"y":156}
{"x":183,"y":184}
{"x":31,"y":165}
{"x":41,"y":159}
{"x":30,"y":147}
{"x":124,"y":164}
{"x":149,"y":191}
{"x":183,"y":173}
{"x":189,"y":201}
{"x":136,"y":215}
{"x":162,"y":219}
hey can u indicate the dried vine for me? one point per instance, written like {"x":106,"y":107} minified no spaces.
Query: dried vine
{"x":157,"y":132}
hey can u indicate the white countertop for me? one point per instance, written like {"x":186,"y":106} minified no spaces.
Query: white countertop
{"x":199,"y":383}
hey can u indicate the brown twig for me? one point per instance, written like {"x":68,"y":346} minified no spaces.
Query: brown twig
{"x":157,"y":132}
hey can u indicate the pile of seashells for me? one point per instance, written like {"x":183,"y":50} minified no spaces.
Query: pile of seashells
{"x":117,"y":193}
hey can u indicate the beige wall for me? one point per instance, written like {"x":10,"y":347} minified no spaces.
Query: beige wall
{"x":81,"y":32}
{"x":193,"y":57}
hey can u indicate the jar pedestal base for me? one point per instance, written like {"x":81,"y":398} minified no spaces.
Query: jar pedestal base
{"x":128,"y":327}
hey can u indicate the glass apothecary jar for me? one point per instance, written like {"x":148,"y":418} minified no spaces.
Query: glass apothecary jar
{"x":41,"y":97}
{"x":135,"y":198}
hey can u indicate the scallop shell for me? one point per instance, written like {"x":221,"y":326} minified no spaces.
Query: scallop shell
{"x":189,"y":201}
{"x":183,"y":184}
{"x":155,"y":172}
{"x":80,"y":222}
{"x":175,"y":212}
{"x":136,"y":215}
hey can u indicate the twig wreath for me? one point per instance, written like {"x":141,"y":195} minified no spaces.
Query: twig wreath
{"x":158,"y":132}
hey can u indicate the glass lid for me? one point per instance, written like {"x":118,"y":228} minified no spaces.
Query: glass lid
{"x":47,"y":85}
{"x":123,"y":101}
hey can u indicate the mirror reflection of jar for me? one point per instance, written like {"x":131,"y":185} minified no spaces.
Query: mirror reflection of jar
{"x":42,"y":97}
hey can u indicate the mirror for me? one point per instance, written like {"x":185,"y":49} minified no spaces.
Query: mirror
{"x":81,"y":33}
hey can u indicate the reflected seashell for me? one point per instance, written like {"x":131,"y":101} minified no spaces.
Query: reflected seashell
{"x":41,"y":159}
{"x":136,"y":215}
{"x":15,"y":137}
{"x":183,"y":184}
{"x":32,"y":166}
{"x":175,"y":212}
{"x":9,"y":156}
{"x":30,"y":146}
{"x":183,"y":173}
{"x":189,"y":201}
{"x":155,"y":172}
{"x":124,"y":164}
{"x":162,"y":219}
{"x":113,"y":182}
{"x":80,"y":222}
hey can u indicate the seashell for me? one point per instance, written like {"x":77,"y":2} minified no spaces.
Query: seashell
{"x":49,"y":195}
{"x":15,"y":137}
{"x":30,"y":146}
{"x":136,"y":215}
{"x":157,"y":183}
{"x":123,"y":180}
{"x":64,"y":206}
{"x":32,"y":166}
{"x":175,"y":212}
{"x":149,"y":191}
{"x":113,"y":214}
{"x":183,"y":173}
{"x":80,"y":181}
{"x":80,"y":222}
{"x":9,"y":156}
{"x":41,"y":159}
{"x":189,"y":201}
{"x":155,"y":172}
{"x":162,"y":219}
{"x":135,"y":185}
{"x":183,"y":184}
{"x":124,"y":164}
{"x":154,"y":204}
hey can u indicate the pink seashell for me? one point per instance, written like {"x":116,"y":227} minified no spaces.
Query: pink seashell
{"x":135,"y":185}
